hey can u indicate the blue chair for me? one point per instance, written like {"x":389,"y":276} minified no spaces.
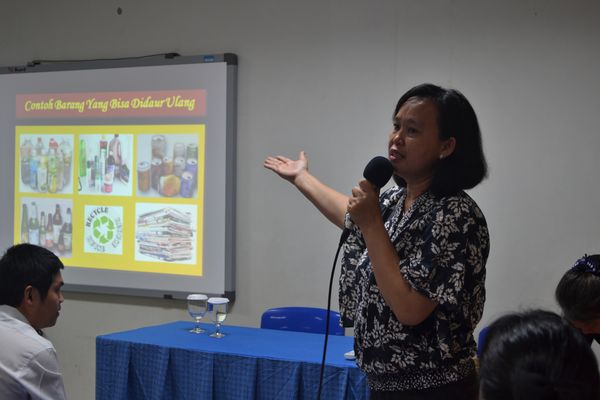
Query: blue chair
{"x":481,"y":339}
{"x":301,"y":319}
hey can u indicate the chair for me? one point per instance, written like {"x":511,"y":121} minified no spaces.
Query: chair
{"x":301,"y":319}
{"x":481,"y":340}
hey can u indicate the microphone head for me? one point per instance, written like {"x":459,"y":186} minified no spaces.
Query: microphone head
{"x":378,"y":171}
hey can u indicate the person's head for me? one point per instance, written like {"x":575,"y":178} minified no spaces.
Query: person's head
{"x":30,"y":280}
{"x":436,"y":138}
{"x":537,"y":355}
{"x":578,"y":294}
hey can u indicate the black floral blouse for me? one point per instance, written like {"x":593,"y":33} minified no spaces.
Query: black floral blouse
{"x":443,"y":244}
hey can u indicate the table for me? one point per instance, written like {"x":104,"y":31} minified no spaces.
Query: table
{"x":168,"y":362}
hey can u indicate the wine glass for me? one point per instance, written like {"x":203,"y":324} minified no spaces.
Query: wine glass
{"x":218,"y":308}
{"x":196,"y":305}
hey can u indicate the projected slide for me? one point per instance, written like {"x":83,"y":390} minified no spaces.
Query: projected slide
{"x":118,"y":197}
{"x":125,"y":169}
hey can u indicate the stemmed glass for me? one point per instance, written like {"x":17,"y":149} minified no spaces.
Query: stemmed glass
{"x":196,"y":305}
{"x":218,"y":308}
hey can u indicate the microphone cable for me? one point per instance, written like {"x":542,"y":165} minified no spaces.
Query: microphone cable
{"x":327,"y":317}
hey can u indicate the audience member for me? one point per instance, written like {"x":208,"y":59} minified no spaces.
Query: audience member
{"x":537,"y":355}
{"x":30,"y":300}
{"x":578,"y":294}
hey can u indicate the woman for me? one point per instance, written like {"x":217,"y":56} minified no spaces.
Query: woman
{"x":536,"y":355}
{"x":578,"y":294}
{"x":412,"y":280}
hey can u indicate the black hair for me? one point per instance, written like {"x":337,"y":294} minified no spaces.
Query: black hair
{"x":578,"y":292}
{"x":26,"y":264}
{"x":466,"y":167}
{"x":537,"y":355}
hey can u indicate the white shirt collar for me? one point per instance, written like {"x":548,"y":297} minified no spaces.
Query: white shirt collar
{"x":13,"y":313}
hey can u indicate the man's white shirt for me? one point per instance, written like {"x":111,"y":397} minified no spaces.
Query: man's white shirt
{"x":28,"y":362}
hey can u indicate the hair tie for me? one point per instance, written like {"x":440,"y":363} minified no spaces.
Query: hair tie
{"x":586,"y":264}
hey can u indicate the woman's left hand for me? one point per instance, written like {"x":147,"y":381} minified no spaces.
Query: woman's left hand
{"x":363,"y":206}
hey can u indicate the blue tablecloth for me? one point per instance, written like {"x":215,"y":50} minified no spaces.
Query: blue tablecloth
{"x":168,"y":362}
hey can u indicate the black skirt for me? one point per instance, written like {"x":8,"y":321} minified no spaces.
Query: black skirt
{"x":466,"y":389}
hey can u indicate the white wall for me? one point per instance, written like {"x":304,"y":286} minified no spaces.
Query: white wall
{"x":324,"y":76}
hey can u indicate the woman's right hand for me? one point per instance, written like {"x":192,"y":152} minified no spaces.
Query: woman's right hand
{"x":329,"y":202}
{"x":286,"y":168}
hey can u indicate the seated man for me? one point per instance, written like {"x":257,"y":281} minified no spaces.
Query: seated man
{"x":30,"y":299}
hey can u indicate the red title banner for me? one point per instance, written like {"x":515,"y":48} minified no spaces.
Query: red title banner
{"x":158,"y":103}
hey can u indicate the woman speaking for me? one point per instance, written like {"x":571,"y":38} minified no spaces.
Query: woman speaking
{"x":413,"y":268}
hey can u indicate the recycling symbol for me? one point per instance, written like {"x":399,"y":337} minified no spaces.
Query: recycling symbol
{"x":103,"y":229}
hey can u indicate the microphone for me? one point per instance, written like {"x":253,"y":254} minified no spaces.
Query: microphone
{"x":378,"y":172}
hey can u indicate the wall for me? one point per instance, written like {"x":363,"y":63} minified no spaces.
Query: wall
{"x":324,"y":76}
